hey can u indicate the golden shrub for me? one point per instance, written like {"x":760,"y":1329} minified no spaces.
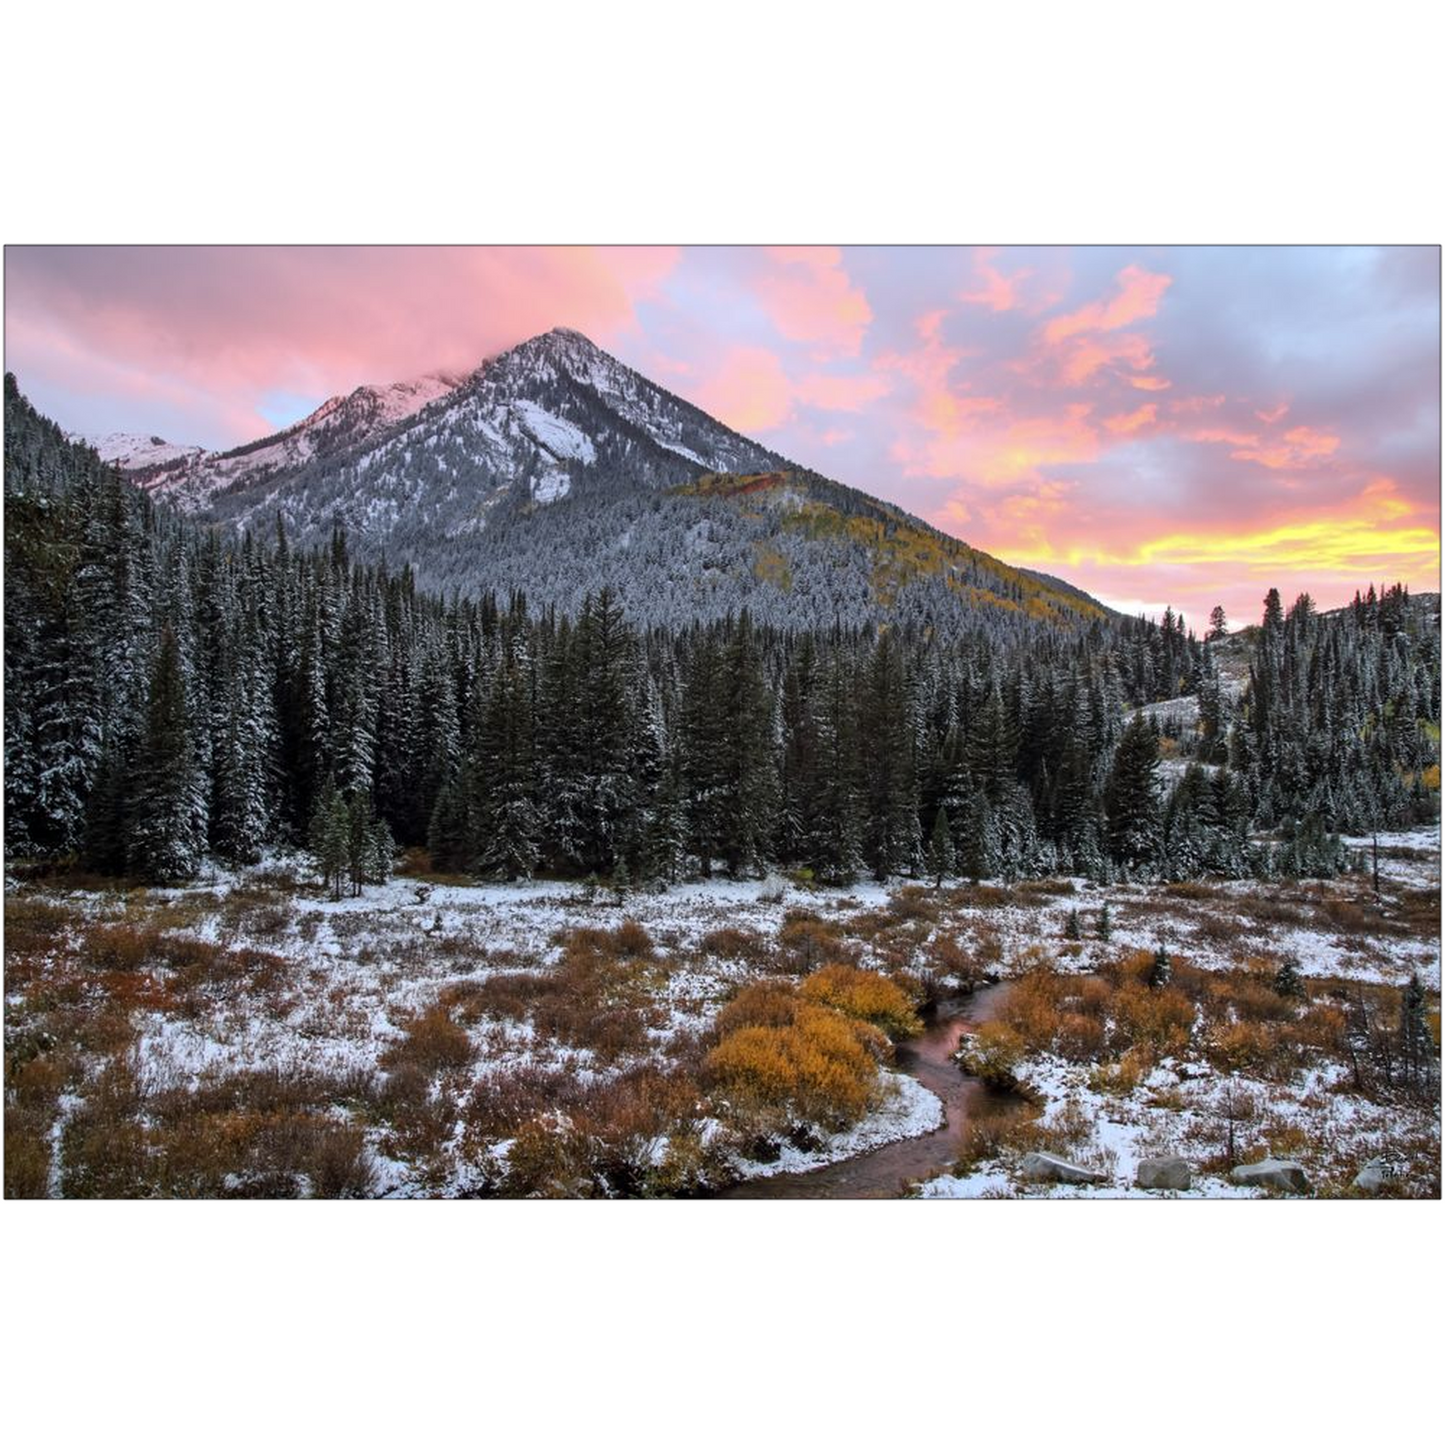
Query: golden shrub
{"x":1124,"y":1075}
{"x":863,"y":994}
{"x":1321,"y":1027}
{"x":820,"y":1066}
{"x":1241,"y":1045}
{"x":808,"y":940}
{"x":760,"y":1005}
{"x":948,"y":957}
{"x":1159,"y":1017}
{"x":1032,"y":1008}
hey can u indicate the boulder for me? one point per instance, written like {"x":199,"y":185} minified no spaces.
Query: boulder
{"x":1284,"y":1174}
{"x":1050,"y":1169}
{"x":1374,"y":1176}
{"x":1168,"y":1171}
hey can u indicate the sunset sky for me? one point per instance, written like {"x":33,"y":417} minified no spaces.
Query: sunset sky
{"x":1157,"y":425}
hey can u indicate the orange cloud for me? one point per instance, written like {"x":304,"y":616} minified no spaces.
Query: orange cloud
{"x":1149,"y":383}
{"x":1272,"y":414}
{"x":1126,"y":423}
{"x":989,"y":450}
{"x":809,"y":298}
{"x":750,"y":390}
{"x":1347,"y":542}
{"x":1382,"y":497}
{"x":1301,"y":446}
{"x":1140,"y":292}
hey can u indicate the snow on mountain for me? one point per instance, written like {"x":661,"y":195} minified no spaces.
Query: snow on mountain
{"x":136,"y":453}
{"x":188,"y":476}
{"x":557,"y":469}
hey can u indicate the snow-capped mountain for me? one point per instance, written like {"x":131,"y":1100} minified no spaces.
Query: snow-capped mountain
{"x":190,"y":475}
{"x":557,"y":469}
{"x":137,"y":453}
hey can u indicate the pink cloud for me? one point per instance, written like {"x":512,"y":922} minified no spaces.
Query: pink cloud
{"x":1126,"y":423}
{"x":1228,"y":436}
{"x":1085,"y":356}
{"x":1300,"y":447}
{"x":239,"y":322}
{"x":1139,"y":294}
{"x":809,"y":298}
{"x":842,"y":393}
{"x":1194,"y":405}
{"x":995,"y":291}
{"x":750,"y":391}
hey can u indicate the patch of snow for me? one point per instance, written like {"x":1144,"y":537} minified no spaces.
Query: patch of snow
{"x":908,"y":1110}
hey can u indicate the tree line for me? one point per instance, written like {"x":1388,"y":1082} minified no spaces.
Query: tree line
{"x":170,"y":696}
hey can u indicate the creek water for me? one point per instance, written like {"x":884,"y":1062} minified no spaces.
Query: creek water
{"x":883,"y":1173}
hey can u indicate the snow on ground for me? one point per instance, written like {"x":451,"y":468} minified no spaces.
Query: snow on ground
{"x":359,"y":967}
{"x":1121,"y":1132}
{"x":907,"y":1110}
{"x":1412,"y":859}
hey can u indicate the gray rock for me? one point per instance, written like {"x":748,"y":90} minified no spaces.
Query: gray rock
{"x":1374,"y":1176}
{"x":1050,"y":1169}
{"x":1168,"y":1171}
{"x":1283,"y":1174}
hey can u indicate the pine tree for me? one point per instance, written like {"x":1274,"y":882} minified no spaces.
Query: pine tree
{"x":1287,"y":981}
{"x":167,"y":816}
{"x":1130,"y":799}
{"x":1072,"y":931}
{"x":330,"y":837}
{"x":1161,"y":971}
{"x":621,"y":881}
{"x":1417,"y":1047}
{"x":940,"y":849}
{"x":509,"y":824}
{"x":1106,"y":924}
{"x":749,"y":789}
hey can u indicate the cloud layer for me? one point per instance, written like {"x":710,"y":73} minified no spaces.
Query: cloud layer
{"x":1185,"y":425}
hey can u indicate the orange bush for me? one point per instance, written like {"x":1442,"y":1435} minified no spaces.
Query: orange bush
{"x":1077,"y":1036}
{"x":121,"y":946}
{"x":433,"y":1041}
{"x":761,"y":1005}
{"x":820,"y":1067}
{"x":807,"y":941}
{"x":862,"y":994}
{"x":1160,"y":1017}
{"x":947,"y":956}
{"x":1322,"y":1027}
{"x":1032,"y":1007}
{"x":1240,"y":1046}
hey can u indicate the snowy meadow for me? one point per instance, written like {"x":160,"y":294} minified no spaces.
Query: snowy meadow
{"x":247,"y":1035}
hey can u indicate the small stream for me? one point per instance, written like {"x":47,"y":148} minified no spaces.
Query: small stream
{"x":883,"y":1173}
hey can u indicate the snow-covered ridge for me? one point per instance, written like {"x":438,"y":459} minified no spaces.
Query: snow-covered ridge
{"x":134,"y":453}
{"x":188,"y":475}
